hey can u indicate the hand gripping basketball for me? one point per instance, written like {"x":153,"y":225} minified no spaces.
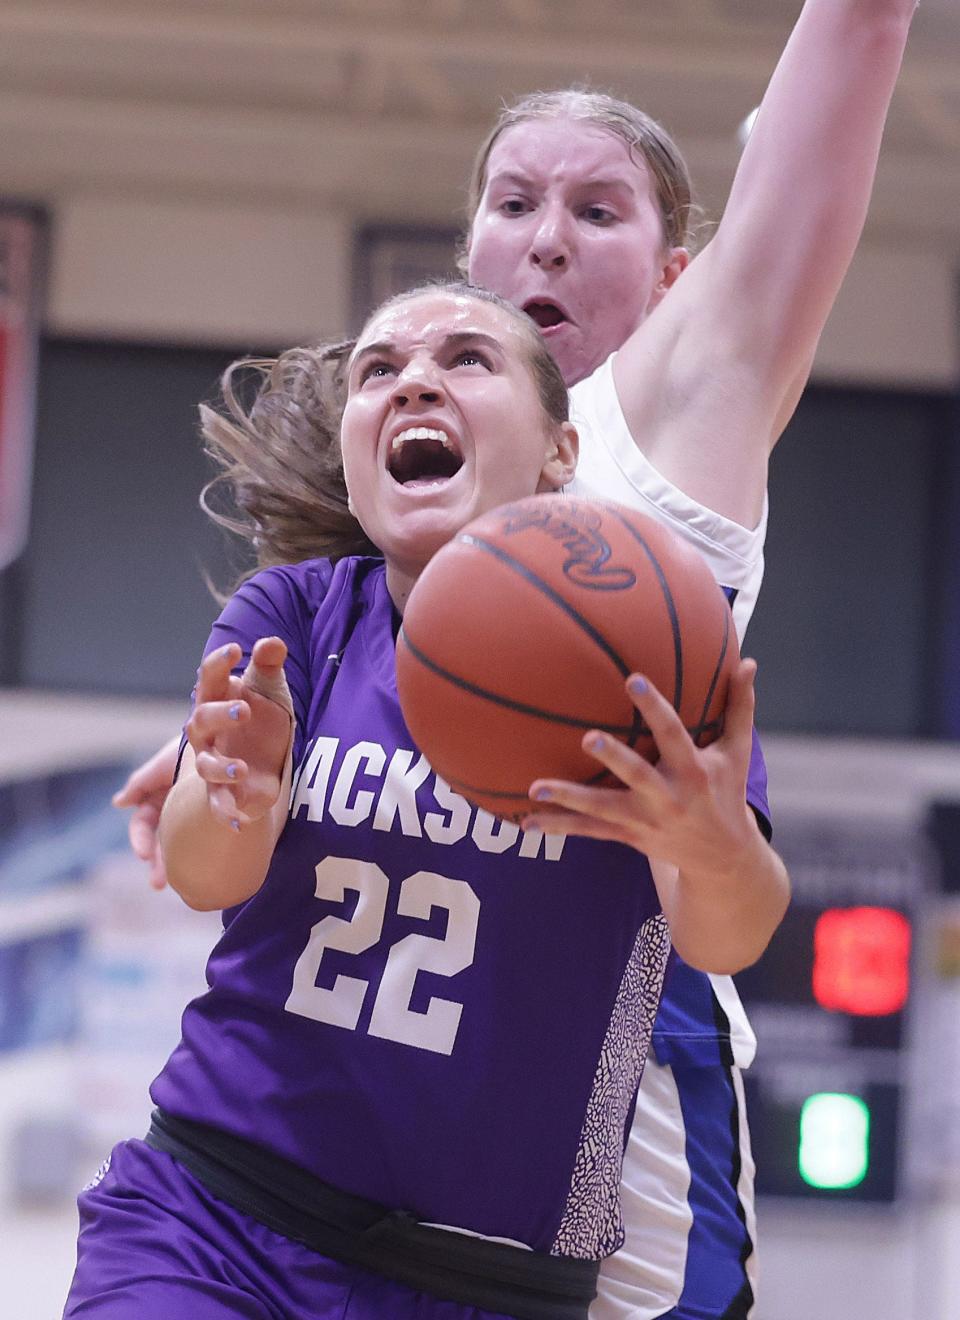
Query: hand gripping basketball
{"x":688,"y":809}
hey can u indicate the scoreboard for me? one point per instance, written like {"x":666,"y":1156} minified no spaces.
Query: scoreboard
{"x":831,"y":1002}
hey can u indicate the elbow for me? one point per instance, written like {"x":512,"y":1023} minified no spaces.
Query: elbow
{"x":731,"y":961}
{"x":197,"y":897}
{"x":723,"y":962}
{"x":727,"y":943}
{"x":198,"y":900}
{"x":196,"y":887}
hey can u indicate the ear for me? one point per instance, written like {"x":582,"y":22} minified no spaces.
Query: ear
{"x":561,"y":458}
{"x":676,"y":262}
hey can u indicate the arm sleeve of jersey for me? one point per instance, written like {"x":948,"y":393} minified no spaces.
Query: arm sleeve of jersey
{"x":757,"y":788}
{"x":279,"y":602}
{"x":613,"y":467}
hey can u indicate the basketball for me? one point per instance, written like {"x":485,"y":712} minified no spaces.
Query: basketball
{"x":519,"y":634}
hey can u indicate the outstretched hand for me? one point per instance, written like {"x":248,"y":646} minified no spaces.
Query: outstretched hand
{"x":688,"y":810}
{"x":146,"y":791}
{"x":241,"y":731}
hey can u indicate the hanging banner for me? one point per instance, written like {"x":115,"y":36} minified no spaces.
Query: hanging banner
{"x":21,"y":245}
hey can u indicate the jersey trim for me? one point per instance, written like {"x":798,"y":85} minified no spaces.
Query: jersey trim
{"x":594,"y":401}
{"x":612,"y":467}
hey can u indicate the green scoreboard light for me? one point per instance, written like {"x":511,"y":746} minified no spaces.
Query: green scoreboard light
{"x":830,"y":1002}
{"x":834,"y":1141}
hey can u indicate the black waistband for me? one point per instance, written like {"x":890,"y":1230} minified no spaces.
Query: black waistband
{"x":528,"y":1285}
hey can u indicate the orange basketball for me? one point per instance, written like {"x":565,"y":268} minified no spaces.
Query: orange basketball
{"x":518,"y":636}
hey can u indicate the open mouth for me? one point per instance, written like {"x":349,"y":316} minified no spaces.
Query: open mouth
{"x":545,"y":314}
{"x":423,"y":455}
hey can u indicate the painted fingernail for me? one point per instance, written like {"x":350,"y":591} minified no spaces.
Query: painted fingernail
{"x":234,"y":711}
{"x":235,"y":825}
{"x":542,"y":795}
{"x":231,"y":771}
{"x":638,"y":686}
{"x":596,"y":742}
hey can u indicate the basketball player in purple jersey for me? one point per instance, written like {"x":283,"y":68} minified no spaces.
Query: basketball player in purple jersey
{"x":579,"y":213}
{"x":405,"y":1091}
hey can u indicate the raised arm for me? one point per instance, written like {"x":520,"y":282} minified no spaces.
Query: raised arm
{"x":223,"y":816}
{"x":733,"y":340}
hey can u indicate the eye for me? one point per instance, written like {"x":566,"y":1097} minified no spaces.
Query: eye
{"x":514,"y":206}
{"x":472,"y":357}
{"x":598,"y":215}
{"x":376,"y":370}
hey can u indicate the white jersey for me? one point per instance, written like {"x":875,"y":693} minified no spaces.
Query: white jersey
{"x":611,"y":467}
{"x":646,"y":1277}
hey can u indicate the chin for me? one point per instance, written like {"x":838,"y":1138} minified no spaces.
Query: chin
{"x":419,"y":540}
{"x":573,"y":361}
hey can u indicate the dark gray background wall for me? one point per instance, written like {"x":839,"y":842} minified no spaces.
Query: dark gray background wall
{"x":109,"y":596}
{"x":848,"y":625}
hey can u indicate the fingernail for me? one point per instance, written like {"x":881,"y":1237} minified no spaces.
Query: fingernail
{"x":234,"y":711}
{"x":235,"y":825}
{"x":596,"y":742}
{"x":231,"y":771}
{"x":542,"y":795}
{"x":225,"y":650}
{"x":638,"y":686}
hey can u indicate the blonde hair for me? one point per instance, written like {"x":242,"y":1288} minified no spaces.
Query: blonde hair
{"x":642,"y":134}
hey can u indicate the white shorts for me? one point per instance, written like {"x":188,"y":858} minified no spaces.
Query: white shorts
{"x":688,"y":1204}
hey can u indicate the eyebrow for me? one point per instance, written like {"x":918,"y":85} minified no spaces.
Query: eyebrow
{"x":581,"y":185}
{"x":450,"y":340}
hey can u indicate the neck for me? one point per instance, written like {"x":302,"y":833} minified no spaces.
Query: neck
{"x":399,"y":585}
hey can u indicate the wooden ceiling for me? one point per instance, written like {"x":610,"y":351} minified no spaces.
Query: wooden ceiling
{"x":374,"y":106}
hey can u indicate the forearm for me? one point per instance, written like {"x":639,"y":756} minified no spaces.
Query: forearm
{"x":209,"y":864}
{"x":722,"y":917}
{"x":800,"y":197}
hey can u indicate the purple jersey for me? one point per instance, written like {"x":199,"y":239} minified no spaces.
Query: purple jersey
{"x":422,"y":1005}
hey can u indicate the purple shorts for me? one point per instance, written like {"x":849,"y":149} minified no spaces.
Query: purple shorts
{"x":156,"y":1245}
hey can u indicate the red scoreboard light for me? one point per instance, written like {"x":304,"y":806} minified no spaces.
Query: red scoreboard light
{"x":861,"y":961}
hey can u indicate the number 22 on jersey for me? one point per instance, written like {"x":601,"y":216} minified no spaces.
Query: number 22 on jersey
{"x":392,"y":1017}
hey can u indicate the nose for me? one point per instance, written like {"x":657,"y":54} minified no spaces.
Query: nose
{"x":551,"y":241}
{"x":418,"y":385}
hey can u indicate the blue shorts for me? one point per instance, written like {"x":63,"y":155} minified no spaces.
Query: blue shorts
{"x":687,"y":1198}
{"x":720,"y":1279}
{"x":156,"y":1245}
